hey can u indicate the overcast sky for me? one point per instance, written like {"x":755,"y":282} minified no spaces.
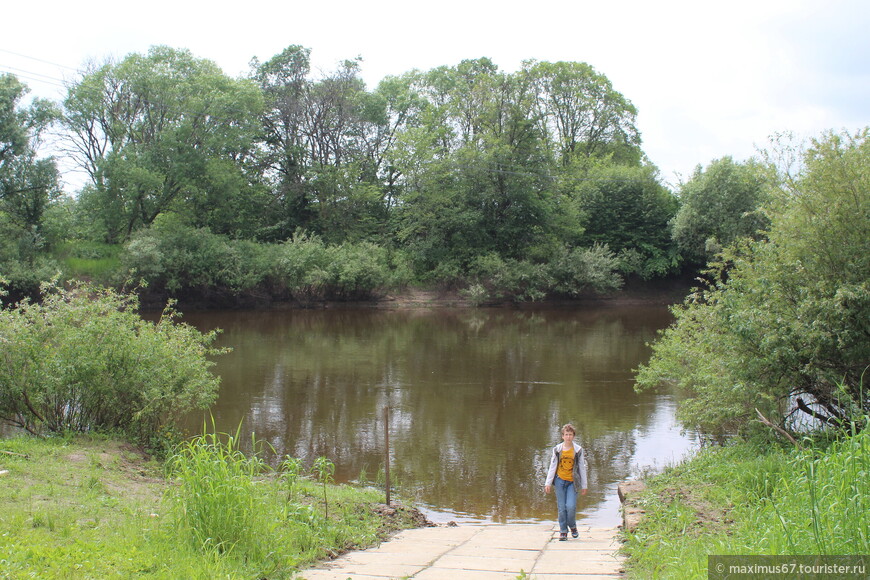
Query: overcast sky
{"x":709,"y":79}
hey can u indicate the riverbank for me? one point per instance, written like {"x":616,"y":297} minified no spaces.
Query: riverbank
{"x":90,"y":507}
{"x":636,"y":292}
{"x":752,"y":499}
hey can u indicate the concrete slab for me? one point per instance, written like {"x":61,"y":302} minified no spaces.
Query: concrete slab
{"x":442,"y":574}
{"x":481,"y":552}
{"x":328,"y":575}
{"x":562,"y":563}
{"x":484,"y":563}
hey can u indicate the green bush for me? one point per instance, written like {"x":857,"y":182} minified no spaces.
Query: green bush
{"x":581,"y":270}
{"x":182,"y":258}
{"x":783,"y":325}
{"x":84,"y":360}
{"x":311,"y":270}
{"x":507,"y":279}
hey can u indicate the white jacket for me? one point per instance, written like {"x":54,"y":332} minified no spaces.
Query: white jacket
{"x":579,"y":466}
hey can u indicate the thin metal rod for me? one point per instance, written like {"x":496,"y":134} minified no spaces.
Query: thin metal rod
{"x":387,"y":450}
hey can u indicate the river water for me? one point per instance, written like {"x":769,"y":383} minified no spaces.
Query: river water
{"x":476,"y":398}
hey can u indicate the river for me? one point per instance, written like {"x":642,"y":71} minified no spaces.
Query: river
{"x":476,"y":398}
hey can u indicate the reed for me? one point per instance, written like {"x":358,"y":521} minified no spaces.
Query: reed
{"x":215,"y":502}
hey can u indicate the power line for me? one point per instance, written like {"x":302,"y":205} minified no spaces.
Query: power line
{"x":63,"y":66}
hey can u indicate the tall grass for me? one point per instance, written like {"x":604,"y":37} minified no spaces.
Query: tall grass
{"x":215,"y":503}
{"x":746,"y":499}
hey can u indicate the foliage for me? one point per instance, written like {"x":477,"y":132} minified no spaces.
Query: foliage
{"x":188,"y":260}
{"x":310,"y":269}
{"x":28,"y":186}
{"x":720,"y":204}
{"x":580,"y":270}
{"x":84,"y":360}
{"x":628,"y":210}
{"x":784,"y":326}
{"x":447,"y":168}
{"x":571,"y":272}
{"x":163,"y":131}
{"x":747,"y":499}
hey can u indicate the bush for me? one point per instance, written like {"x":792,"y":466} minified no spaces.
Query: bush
{"x":312,"y":270}
{"x":580,"y":270}
{"x":182,"y":259}
{"x":507,"y":279}
{"x":84,"y":360}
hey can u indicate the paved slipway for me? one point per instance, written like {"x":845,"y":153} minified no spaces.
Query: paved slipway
{"x":481,"y":552}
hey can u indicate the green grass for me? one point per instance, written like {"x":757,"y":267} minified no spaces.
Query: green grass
{"x":89,"y":507}
{"x":90,"y":260}
{"x":746,"y":499}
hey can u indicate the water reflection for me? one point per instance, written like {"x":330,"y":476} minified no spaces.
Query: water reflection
{"x":476,"y":398}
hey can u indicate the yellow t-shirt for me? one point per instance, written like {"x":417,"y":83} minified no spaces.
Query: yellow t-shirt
{"x":565,"y":471}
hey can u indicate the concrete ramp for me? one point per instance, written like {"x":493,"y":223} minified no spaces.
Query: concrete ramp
{"x":481,"y":552}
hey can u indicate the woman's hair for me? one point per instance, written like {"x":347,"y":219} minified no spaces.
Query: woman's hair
{"x":568,"y":427}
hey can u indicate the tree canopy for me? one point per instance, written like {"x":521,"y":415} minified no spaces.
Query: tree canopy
{"x":785,"y":326}
{"x":450,"y":171}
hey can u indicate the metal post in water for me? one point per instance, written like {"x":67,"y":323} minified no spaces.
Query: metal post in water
{"x":387,"y":450}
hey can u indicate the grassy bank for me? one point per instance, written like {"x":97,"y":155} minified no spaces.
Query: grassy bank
{"x":89,"y":507}
{"x":751,"y":499}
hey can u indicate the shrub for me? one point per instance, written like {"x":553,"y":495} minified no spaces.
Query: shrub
{"x":182,"y":258}
{"x":84,"y":360}
{"x":580,"y":270}
{"x":311,"y":269}
{"x":507,"y":279}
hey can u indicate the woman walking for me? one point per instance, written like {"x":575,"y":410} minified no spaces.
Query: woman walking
{"x":567,"y":474}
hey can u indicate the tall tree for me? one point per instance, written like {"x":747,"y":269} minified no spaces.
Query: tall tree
{"x":719,"y":204}
{"x":581,"y":113}
{"x":627,"y":209}
{"x":28,"y":183}
{"x":164,"y":131}
{"x":284,"y":159}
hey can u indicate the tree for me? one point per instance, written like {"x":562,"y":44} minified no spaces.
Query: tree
{"x":785,"y":327}
{"x":28,"y":184}
{"x":164,"y":132}
{"x":719,"y":205}
{"x":582,"y":115}
{"x":324,"y":147}
{"x":627,"y":210}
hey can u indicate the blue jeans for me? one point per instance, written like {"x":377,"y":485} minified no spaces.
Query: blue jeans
{"x":566,"y":504}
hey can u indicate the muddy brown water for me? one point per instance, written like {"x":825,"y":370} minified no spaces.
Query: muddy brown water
{"x":476,"y":397}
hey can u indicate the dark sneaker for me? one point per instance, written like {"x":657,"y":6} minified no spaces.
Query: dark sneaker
{"x":563,"y":536}
{"x":574,"y":533}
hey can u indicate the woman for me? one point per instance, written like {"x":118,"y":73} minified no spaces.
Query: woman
{"x":567,"y":474}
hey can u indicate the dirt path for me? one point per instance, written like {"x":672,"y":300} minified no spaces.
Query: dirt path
{"x":481,"y":552}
